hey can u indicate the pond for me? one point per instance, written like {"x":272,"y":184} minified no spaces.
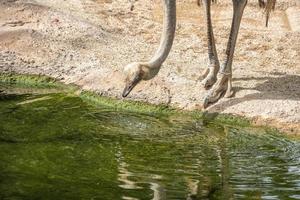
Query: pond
{"x":56,"y":145}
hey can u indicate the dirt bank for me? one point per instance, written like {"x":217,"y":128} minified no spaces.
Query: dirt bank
{"x":89,"y":42}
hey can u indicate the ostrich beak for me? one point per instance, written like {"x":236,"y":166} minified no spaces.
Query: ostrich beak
{"x":129,"y":86}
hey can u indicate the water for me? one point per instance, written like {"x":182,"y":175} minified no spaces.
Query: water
{"x":57,"y":146}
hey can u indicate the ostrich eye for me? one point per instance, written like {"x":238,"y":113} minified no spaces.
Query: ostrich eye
{"x":138,"y":77}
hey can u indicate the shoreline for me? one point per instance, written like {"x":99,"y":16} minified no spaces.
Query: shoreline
{"x":41,"y":81}
{"x":87,"y":43}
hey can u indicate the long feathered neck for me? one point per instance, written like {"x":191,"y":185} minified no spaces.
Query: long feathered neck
{"x":168,"y":34}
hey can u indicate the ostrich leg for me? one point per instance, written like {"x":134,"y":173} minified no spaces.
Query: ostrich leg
{"x":224,"y":83}
{"x":210,"y":74}
{"x":261,"y":3}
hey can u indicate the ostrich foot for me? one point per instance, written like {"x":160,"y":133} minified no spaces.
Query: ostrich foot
{"x":209,"y":77}
{"x":223,"y":87}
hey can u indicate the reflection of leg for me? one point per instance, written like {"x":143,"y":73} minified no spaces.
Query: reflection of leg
{"x":192,"y":188}
{"x":224,"y":85}
{"x":225,"y":166}
{"x":208,"y":183}
{"x":210,"y":74}
{"x":204,"y":188}
{"x":124,"y":175}
{"x":158,"y":191}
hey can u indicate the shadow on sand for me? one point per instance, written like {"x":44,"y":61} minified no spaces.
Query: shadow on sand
{"x":282,"y":87}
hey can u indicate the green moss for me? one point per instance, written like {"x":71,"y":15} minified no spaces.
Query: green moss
{"x":229,"y":119}
{"x":29,"y":80}
{"x":39,"y":81}
{"x":35,"y":81}
{"x":126,"y":105}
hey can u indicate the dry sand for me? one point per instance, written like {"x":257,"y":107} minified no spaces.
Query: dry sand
{"x":88,"y":42}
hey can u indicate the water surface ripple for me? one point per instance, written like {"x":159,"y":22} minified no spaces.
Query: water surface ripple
{"x":57,"y":146}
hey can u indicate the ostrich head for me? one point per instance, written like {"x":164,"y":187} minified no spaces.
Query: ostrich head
{"x":134,"y":72}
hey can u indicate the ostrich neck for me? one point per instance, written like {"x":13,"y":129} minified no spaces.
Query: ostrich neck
{"x":168,"y":33}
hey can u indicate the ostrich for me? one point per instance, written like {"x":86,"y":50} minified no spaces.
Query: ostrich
{"x":217,"y":78}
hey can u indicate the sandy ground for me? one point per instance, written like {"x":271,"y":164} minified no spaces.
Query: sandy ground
{"x":88,"y":42}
